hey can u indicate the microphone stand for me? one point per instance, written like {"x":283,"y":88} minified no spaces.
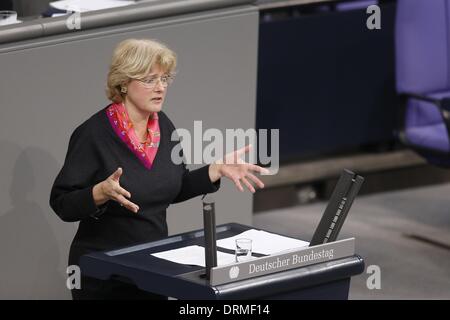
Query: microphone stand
{"x":209,"y":226}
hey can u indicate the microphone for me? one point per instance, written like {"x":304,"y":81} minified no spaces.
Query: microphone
{"x":209,"y":226}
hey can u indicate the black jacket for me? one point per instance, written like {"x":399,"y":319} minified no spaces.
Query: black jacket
{"x":94,"y":153}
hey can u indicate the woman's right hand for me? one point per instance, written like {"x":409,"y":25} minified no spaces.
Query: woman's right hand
{"x":110,"y":189}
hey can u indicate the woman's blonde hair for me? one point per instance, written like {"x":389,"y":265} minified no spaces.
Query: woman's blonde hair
{"x":133,"y":59}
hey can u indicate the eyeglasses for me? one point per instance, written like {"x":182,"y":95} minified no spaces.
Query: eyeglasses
{"x":151,"y":82}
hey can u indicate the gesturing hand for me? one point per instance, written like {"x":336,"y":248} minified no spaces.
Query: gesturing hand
{"x":110,"y":189}
{"x":237,"y":170}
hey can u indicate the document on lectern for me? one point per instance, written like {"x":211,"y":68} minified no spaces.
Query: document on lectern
{"x":88,"y":5}
{"x":193,"y":255}
{"x":263,"y":242}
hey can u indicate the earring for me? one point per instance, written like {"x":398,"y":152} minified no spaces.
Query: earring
{"x":123,"y":90}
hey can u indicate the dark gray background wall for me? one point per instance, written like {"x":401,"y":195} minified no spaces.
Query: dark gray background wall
{"x":48,"y":86}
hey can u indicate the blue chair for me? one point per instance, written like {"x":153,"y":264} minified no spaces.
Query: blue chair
{"x":422,"y":43}
{"x":354,"y":5}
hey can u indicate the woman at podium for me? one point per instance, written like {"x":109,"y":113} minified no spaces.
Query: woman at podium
{"x":118,"y":176}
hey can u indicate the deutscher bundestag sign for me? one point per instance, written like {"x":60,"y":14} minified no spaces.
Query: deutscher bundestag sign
{"x":285,"y":260}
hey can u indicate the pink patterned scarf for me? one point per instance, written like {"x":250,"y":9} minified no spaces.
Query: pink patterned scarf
{"x":122,"y":125}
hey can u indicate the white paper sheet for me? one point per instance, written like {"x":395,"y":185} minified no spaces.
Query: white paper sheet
{"x":263,"y":242}
{"x":193,"y":255}
{"x":88,"y":5}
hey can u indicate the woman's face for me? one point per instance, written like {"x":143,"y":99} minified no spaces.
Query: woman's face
{"x":147,"y":95}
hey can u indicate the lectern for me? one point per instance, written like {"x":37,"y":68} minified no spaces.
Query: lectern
{"x":328,"y":279}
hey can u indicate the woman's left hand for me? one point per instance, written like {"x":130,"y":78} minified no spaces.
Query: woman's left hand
{"x":237,"y":170}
